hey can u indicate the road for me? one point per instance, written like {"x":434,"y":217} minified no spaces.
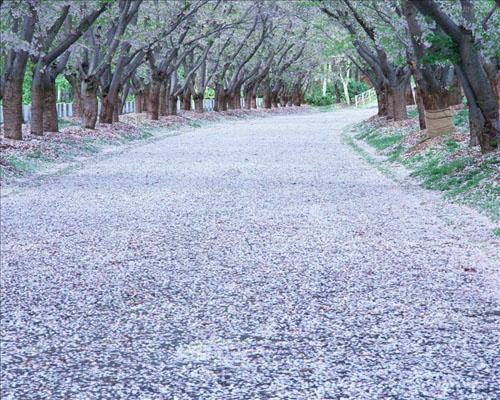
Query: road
{"x":256,"y":259}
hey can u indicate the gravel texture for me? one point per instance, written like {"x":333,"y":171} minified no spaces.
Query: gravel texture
{"x":256,"y":259}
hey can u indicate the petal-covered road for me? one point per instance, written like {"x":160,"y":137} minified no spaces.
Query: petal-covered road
{"x":258,"y":259}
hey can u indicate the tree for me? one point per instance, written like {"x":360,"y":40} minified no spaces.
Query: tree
{"x":470,"y":70}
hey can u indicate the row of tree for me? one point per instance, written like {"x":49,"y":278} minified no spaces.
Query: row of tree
{"x":447,"y":46}
{"x":158,"y":50}
{"x":164,"y":50}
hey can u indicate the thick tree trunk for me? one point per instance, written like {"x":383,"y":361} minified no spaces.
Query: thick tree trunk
{"x":77,"y":100}
{"x":297,"y":100}
{"x":267,"y":101}
{"x":37,"y":103}
{"x":186,"y":101}
{"x":337,"y":93}
{"x":107,"y":110}
{"x":117,"y":110}
{"x":145,"y":99}
{"x":237,"y":99}
{"x":163,"y":100}
{"x":50,"y":120}
{"x":154,"y":101}
{"x":389,"y":103}
{"x":89,"y":103}
{"x":222,"y":100}
{"x":455,"y":97}
{"x":172,"y":105}
{"x":198,"y":103}
{"x":248,"y":98}
{"x":410,"y":101}
{"x":138,"y":102}
{"x":420,"y":107}
{"x":13,"y":109}
{"x":283,"y":98}
{"x":399,"y":103}
{"x":253,"y":101}
{"x":381,"y":103}
{"x":274,"y":100}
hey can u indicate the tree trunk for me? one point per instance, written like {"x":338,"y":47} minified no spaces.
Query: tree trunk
{"x":389,"y":102}
{"x":117,"y":110}
{"x":172,"y":105}
{"x":222,"y":100}
{"x":198,"y":103}
{"x":455,"y":92}
{"x":237,"y":99}
{"x":420,"y":107}
{"x":248,"y":98}
{"x":37,"y":103}
{"x":107,"y":111}
{"x":13,"y":109}
{"x":410,"y":101}
{"x":399,"y":103}
{"x":154,"y":101}
{"x":163,"y":100}
{"x":274,"y":100}
{"x":381,"y":103}
{"x":253,"y":100}
{"x":266,"y":101}
{"x":89,"y":103}
{"x":138,"y":102}
{"x":283,"y":98}
{"x":145,"y":99}
{"x":297,"y":99}
{"x":186,"y":101}
{"x":77,"y":100}
{"x":339,"y":96}
{"x":50,"y":120}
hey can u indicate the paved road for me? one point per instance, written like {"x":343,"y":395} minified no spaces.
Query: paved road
{"x":258,"y":259}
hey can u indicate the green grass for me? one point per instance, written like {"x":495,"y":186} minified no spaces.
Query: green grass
{"x":438,"y":175}
{"x":64,"y":123}
{"x":459,"y":178}
{"x":328,"y":108}
{"x":413,"y":113}
{"x":461,"y":118}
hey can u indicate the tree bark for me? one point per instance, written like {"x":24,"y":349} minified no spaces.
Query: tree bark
{"x":237,"y":99}
{"x":107,"y":110}
{"x":266,"y":101}
{"x":186,"y":101}
{"x":420,"y":107}
{"x":154,"y":101}
{"x":381,"y":103}
{"x":77,"y":100}
{"x":222,"y":99}
{"x":337,"y":93}
{"x":163,"y":100}
{"x":50,"y":120}
{"x":145,"y":99}
{"x":117,"y":110}
{"x":198,"y":103}
{"x":399,"y":103}
{"x":13,"y":109}
{"x":253,"y":101}
{"x":172,"y":105}
{"x":283,"y":98}
{"x":138,"y":102}
{"x":37,"y":103}
{"x":89,"y":104}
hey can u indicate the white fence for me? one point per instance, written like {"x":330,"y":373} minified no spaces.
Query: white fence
{"x":66,"y":109}
{"x":365,"y":98}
